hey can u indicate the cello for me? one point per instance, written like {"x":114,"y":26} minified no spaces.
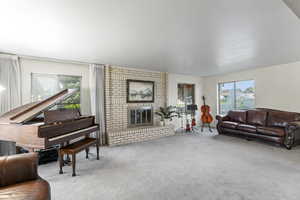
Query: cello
{"x":206,"y":117}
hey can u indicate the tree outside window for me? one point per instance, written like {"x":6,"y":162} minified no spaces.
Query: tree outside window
{"x":236,"y":95}
{"x":46,"y":85}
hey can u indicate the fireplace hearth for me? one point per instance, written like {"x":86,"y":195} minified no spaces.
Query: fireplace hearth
{"x":140,"y":116}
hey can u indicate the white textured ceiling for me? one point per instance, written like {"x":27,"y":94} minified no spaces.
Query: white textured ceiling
{"x":200,"y":37}
{"x":294,"y":5}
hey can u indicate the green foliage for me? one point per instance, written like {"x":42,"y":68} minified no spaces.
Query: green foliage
{"x":249,"y":90}
{"x":46,"y":85}
{"x":71,"y":106}
{"x":167,"y":113}
{"x":71,"y":82}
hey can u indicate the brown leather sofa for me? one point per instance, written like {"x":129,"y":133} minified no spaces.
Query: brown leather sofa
{"x":19,"y":178}
{"x":271,"y":125}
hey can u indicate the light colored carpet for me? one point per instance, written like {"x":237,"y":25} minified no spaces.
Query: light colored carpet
{"x":184,"y":167}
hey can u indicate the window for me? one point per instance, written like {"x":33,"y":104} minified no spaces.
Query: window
{"x":236,"y":95}
{"x":46,"y":85}
{"x":186,"y":94}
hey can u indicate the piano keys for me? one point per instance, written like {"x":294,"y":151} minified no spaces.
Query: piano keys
{"x":24,"y":125}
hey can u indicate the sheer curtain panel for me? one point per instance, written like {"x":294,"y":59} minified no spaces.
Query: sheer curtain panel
{"x":10,"y":83}
{"x":97,"y":98}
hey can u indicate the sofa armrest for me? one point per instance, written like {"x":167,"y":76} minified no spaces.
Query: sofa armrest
{"x":292,"y":133}
{"x":295,"y":124}
{"x":18,"y":168}
{"x":221,"y":118}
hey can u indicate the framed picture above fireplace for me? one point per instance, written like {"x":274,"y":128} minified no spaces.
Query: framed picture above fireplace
{"x":139,"y":91}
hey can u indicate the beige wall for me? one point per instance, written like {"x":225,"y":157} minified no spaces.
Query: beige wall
{"x":29,"y":66}
{"x":277,"y":87}
{"x":173,"y":81}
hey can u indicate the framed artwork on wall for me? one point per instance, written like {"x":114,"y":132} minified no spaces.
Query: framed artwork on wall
{"x":139,"y":91}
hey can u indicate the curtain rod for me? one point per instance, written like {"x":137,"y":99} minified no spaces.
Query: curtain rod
{"x":47,"y":59}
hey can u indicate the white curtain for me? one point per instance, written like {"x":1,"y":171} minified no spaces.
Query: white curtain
{"x":97,"y":98}
{"x":10,"y":83}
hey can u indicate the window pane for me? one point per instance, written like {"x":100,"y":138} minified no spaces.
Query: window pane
{"x":180,"y":100}
{"x":46,"y":85}
{"x":245,"y":98}
{"x":43,"y":86}
{"x":186,"y":94}
{"x":70,"y":82}
{"x":226,"y":97}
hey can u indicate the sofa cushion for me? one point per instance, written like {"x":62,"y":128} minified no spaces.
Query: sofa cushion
{"x":272,"y":131}
{"x":238,"y":116}
{"x":37,"y":189}
{"x":280,"y":119}
{"x":257,"y":117}
{"x":247,"y":128}
{"x":228,"y":124}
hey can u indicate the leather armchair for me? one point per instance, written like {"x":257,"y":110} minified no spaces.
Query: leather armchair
{"x":19,"y":178}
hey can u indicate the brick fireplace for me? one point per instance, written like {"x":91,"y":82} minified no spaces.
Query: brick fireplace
{"x":133,"y":122}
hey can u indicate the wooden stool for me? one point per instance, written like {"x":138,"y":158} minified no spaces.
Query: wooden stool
{"x":75,"y":148}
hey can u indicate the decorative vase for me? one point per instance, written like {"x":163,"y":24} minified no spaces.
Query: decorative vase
{"x":162,"y":123}
{"x":168,"y":122}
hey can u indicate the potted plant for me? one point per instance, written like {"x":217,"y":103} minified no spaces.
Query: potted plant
{"x":167,"y":114}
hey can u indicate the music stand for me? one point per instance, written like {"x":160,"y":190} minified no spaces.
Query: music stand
{"x":192,"y":108}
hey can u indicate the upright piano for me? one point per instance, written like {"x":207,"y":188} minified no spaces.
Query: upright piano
{"x":37,"y":125}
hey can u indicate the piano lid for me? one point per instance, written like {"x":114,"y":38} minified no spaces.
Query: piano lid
{"x":29,"y":111}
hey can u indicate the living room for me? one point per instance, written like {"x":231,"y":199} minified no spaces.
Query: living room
{"x":149,"y":99}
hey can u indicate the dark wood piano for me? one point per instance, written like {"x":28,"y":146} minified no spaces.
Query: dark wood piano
{"x":28,"y":129}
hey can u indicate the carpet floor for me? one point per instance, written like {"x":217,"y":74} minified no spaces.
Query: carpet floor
{"x":184,"y":167}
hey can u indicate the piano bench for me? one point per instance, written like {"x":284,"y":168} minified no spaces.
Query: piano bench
{"x":73,"y":149}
